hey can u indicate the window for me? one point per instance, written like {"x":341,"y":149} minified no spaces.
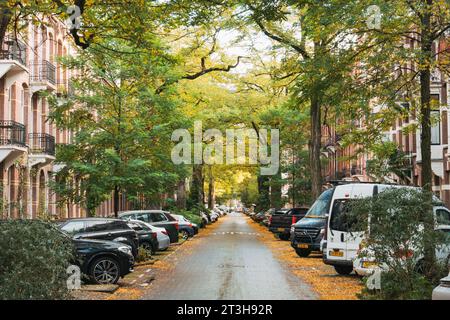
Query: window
{"x":341,"y":218}
{"x":158,"y":217}
{"x":144,"y":217}
{"x":435,"y":128}
{"x":96,"y":226}
{"x":442,"y":217}
{"x":73,"y":227}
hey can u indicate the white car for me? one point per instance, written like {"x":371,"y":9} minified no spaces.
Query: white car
{"x":365,"y":265}
{"x":343,"y":245}
{"x":161,"y":235}
{"x":442,"y":292}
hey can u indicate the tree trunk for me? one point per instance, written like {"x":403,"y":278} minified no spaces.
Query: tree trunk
{"x":315,"y":147}
{"x":181,"y":194}
{"x":211,"y":190}
{"x":116,"y":201}
{"x":197,"y":190}
{"x":425,"y":136}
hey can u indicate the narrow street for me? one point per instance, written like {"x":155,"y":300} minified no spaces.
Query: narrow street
{"x":230,"y":262}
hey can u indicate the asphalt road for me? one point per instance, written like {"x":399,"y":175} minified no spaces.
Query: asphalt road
{"x":230,"y":263}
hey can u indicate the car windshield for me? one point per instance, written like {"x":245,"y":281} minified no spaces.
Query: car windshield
{"x":322,"y":205}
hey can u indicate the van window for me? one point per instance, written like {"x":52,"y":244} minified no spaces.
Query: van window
{"x":321,"y":206}
{"x":341,"y":219}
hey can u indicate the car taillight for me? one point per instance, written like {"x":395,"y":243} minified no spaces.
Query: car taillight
{"x":176,"y":226}
{"x":190,"y":225}
{"x":294,"y":219}
{"x":164,"y":232}
{"x":270,"y":220}
{"x":154,"y":235}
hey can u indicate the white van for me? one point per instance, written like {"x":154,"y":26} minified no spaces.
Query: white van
{"x":342,"y":246}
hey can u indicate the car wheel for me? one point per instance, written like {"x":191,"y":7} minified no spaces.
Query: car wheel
{"x":303,"y":252}
{"x":104,"y":270}
{"x":148,"y":247}
{"x":343,"y":270}
{"x":284,"y":237}
{"x":185,"y":235}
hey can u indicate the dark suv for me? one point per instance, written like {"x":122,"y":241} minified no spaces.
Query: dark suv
{"x":101,"y":229}
{"x":104,"y":262}
{"x":157,"y":218}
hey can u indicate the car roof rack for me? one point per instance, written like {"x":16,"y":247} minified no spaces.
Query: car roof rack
{"x":343,"y":182}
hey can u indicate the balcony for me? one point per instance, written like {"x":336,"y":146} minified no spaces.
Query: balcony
{"x":12,"y":133}
{"x":43,"y":76}
{"x":42,"y":149}
{"x":13,"y":57}
{"x":42,"y":143}
{"x":12,"y":140}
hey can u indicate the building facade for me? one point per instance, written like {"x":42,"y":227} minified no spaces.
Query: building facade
{"x":350,"y":164}
{"x":29,"y":67}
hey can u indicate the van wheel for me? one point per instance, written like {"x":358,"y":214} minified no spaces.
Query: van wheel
{"x":303,"y":252}
{"x":343,"y":270}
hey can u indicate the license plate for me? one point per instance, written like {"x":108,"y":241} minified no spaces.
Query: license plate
{"x":302,"y":246}
{"x":336,"y":253}
{"x":280,"y":229}
{"x":369,"y":264}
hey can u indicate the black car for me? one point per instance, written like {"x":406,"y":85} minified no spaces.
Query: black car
{"x":104,"y":262}
{"x":157,"y":218}
{"x":101,"y":229}
{"x":147,"y":238}
{"x":307,"y":233}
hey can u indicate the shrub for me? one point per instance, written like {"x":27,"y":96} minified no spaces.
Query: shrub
{"x":143,"y":255}
{"x":34,"y":256}
{"x":400,"y":231}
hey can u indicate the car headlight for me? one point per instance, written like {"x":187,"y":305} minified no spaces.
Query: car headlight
{"x":126,"y":250}
{"x":292,"y":229}
{"x":322,"y":231}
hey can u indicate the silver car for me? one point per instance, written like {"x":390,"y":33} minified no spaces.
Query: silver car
{"x":161,"y":235}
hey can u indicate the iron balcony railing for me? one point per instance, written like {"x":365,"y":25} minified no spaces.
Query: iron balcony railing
{"x":12,"y":133}
{"x":15,"y":50}
{"x":44,"y":71}
{"x":42,"y":143}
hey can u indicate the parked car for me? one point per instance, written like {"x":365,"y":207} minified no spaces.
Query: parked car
{"x":205,"y":220}
{"x":343,"y":245}
{"x":185,"y":227}
{"x":214,"y":216}
{"x":157,"y":218}
{"x":147,"y":237}
{"x":281,"y":221}
{"x":101,"y":229}
{"x":308,"y":233}
{"x":365,"y":264}
{"x":162,"y":235}
{"x":442,"y":292}
{"x":104,"y":262}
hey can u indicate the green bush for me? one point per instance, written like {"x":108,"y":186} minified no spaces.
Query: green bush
{"x":401,"y":229}
{"x":34,"y":256}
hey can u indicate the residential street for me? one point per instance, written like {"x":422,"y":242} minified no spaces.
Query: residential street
{"x":228,"y":263}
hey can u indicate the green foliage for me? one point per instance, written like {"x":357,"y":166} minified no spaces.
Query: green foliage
{"x":398,"y":240}
{"x":34,"y":256}
{"x":388,"y":160}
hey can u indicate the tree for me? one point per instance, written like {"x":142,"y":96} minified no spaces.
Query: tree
{"x":122,"y":129}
